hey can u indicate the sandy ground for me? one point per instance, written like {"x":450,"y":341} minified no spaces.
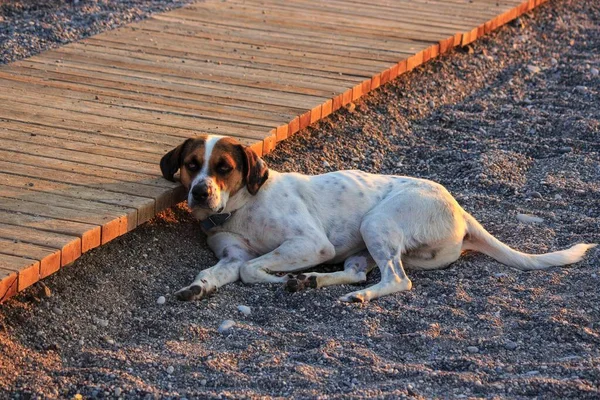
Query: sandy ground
{"x":510,"y":125}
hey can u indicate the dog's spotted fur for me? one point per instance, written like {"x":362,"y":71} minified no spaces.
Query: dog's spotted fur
{"x":284,"y":223}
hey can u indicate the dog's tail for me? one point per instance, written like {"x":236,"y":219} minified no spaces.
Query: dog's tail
{"x":479,"y":239}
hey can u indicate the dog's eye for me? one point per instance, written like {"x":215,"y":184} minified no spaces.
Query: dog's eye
{"x":192,"y":166}
{"x":224,"y":168}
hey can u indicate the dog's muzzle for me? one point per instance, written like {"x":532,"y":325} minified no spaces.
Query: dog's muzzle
{"x":201,"y":193}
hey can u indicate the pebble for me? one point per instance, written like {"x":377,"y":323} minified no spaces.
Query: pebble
{"x":553,"y":61}
{"x":170,"y":369}
{"x":244,"y":310}
{"x":533,"y":69}
{"x":109,"y":340}
{"x":326,"y":164}
{"x":594,"y":71}
{"x":203,"y":382}
{"x":102,"y":322}
{"x":57,"y":311}
{"x":161,"y":300}
{"x":500,"y":275}
{"x":45,"y":292}
{"x":510,"y":345}
{"x":473,"y":349}
{"x":580,"y":89}
{"x":118,"y":391}
{"x":565,"y":149}
{"x":351,"y":107}
{"x":557,"y":197}
{"x":535,"y":195}
{"x":226,"y":326}
{"x":529,"y":219}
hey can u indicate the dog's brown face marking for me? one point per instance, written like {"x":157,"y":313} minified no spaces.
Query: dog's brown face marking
{"x":226,"y":165}
{"x":192,"y":160}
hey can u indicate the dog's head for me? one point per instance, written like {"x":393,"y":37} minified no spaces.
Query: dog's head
{"x":214,"y":169}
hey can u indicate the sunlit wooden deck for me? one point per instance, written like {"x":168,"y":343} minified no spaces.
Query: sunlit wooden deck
{"x":82,"y":128}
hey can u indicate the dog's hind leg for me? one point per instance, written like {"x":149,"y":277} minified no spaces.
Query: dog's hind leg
{"x":356,"y":268}
{"x":385,"y":241}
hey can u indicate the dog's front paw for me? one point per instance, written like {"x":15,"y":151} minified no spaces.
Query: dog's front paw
{"x":193,"y":292}
{"x":300,"y":282}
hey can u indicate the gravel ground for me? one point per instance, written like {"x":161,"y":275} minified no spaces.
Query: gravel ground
{"x":510,"y":125}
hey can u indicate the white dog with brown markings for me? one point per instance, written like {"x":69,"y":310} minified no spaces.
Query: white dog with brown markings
{"x":262,"y":224}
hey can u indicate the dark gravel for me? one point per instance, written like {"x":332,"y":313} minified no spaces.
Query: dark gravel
{"x":505,"y":137}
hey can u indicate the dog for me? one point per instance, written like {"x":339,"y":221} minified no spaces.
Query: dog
{"x":265,"y":226}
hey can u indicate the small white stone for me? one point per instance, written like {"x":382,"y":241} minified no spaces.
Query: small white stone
{"x":553,"y":61}
{"x":170,"y":369}
{"x":226,"y":326}
{"x":326,"y":164}
{"x":57,"y":311}
{"x":244,"y":310}
{"x":161,"y":300}
{"x":533,"y":69}
{"x":102,"y":322}
{"x":580,"y":89}
{"x":594,"y":71}
{"x":118,"y":392}
{"x":203,"y":382}
{"x":529,"y":219}
{"x":473,"y":349}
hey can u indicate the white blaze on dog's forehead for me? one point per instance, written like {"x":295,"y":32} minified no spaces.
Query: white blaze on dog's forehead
{"x":209,"y":145}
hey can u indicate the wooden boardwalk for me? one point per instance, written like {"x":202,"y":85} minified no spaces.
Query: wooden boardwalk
{"x":82,"y":128}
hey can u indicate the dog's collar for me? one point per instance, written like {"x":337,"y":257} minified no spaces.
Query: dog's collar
{"x":215,"y":220}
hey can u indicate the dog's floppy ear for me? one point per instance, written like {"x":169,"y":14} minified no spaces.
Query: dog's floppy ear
{"x":256,"y":171}
{"x":171,"y":161}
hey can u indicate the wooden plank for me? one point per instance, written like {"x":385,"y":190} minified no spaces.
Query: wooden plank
{"x":144,"y":206}
{"x":62,"y":172}
{"x":69,"y":246}
{"x":8,"y":283}
{"x":111,"y":97}
{"x":28,"y":271}
{"x":49,"y":259}
{"x":46,"y":139}
{"x":111,"y":225}
{"x":126,"y":215}
{"x":88,"y":234}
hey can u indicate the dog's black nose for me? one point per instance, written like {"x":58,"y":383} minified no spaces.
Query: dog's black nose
{"x":201,"y":192}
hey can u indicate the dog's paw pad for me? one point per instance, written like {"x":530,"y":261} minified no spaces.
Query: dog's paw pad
{"x":189,"y":293}
{"x":293,"y":285}
{"x":353,"y":298}
{"x":311,"y":282}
